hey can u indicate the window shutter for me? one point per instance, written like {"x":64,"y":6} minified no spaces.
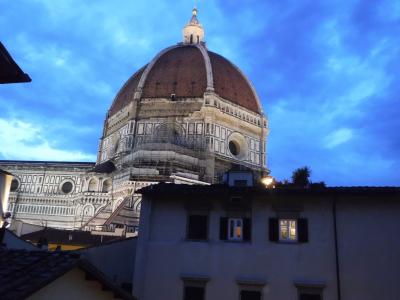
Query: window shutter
{"x":273,"y":229}
{"x":197,"y":227}
{"x":303,"y":230}
{"x":223,"y":228}
{"x":246,"y":229}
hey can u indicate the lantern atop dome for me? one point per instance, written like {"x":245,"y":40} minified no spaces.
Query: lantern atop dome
{"x":193,"y":32}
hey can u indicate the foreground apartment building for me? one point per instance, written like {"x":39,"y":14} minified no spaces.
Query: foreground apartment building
{"x":248,"y":243}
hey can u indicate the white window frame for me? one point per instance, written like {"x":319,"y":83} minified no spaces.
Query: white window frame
{"x":288,"y":239}
{"x":232,"y":230}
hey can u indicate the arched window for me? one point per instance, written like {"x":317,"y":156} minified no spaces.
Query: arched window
{"x":88,"y":210}
{"x":106,"y":186}
{"x":92,"y":185}
{"x":14,"y":185}
{"x":191,"y":38}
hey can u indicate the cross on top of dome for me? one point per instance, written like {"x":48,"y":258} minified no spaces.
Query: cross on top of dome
{"x":193,"y":32}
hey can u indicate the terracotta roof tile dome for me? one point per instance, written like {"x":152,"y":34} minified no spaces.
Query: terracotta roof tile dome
{"x":182,"y":70}
{"x":230,"y":84}
{"x":125,"y":95}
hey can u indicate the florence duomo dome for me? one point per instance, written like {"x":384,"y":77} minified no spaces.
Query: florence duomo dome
{"x":189,"y":112}
{"x":187,"y":116}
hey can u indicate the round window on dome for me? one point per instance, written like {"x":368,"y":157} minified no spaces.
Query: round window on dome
{"x":14,"y":185}
{"x":237,"y":146}
{"x":67,"y":187}
{"x":234,"y":148}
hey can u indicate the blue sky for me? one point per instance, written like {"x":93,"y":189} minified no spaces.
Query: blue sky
{"x":328,"y":74}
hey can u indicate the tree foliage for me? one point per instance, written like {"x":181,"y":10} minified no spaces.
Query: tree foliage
{"x":301,"y":177}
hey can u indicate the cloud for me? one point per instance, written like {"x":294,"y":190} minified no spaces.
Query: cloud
{"x":338,"y":137}
{"x":23,"y":140}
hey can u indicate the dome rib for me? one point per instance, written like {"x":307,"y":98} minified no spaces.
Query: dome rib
{"x":206,"y":57}
{"x":124,"y":95}
{"x":231,"y":84}
{"x":148,"y":69}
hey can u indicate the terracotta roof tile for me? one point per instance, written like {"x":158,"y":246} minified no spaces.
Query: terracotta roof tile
{"x":230,"y":84}
{"x":24,"y":272}
{"x":180,"y":71}
{"x":125,"y":95}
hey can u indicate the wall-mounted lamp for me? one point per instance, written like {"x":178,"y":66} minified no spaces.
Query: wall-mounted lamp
{"x":268,"y":181}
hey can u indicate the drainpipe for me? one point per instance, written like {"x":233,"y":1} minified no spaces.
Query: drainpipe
{"x":336,"y":248}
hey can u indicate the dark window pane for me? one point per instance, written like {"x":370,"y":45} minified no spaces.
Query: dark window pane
{"x":14,"y":185}
{"x":194,"y":293}
{"x":250,"y":295}
{"x":67,"y":187}
{"x":240,"y":183}
{"x":197,"y":227}
{"x":234,"y":148}
{"x":310,"y":297}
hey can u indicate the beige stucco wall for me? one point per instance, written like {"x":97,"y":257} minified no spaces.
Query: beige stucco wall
{"x":368,"y":251}
{"x":116,"y":260}
{"x":369,"y":248}
{"x":164,"y":255}
{"x":72,"y":286}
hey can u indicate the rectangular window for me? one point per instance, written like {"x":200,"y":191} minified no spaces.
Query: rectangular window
{"x":216,"y":146}
{"x":240,"y":182}
{"x":288,"y":230}
{"x":194,"y":293}
{"x":197,"y":227}
{"x":140,"y":129}
{"x":217,"y":131}
{"x":308,"y":296}
{"x":149,"y":129}
{"x":252,"y":156}
{"x":235,"y":229}
{"x":250,"y":295}
{"x":199,"y":128}
{"x":191,"y":128}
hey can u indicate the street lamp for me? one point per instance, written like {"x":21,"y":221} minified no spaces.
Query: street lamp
{"x":268,"y":181}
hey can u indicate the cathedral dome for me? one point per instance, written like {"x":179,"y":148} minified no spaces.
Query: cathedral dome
{"x":189,"y":113}
{"x":188,"y":71}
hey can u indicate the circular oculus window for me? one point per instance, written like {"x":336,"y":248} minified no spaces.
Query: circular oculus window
{"x":67,"y":187}
{"x":234,"y":148}
{"x":237,"y":145}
